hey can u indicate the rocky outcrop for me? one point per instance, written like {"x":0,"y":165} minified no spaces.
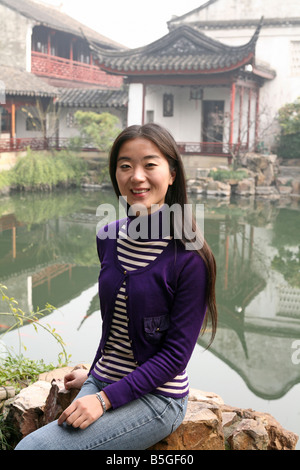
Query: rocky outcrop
{"x":209,"y":424}
{"x":264,"y":179}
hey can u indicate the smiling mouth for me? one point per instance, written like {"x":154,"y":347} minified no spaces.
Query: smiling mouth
{"x":139,"y":191}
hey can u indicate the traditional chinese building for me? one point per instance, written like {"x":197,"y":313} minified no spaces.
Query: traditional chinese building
{"x":234,"y":22}
{"x":43,"y":54}
{"x":205,"y":92}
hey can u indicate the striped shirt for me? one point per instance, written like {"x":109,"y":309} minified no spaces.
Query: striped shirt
{"x":118,"y":360}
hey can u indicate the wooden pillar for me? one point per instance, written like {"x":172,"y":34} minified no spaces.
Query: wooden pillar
{"x":13,"y":120}
{"x":257,"y":118}
{"x":49,"y":44}
{"x":249,"y":117}
{"x":71,"y":50}
{"x":143,"y":108}
{"x":241,"y":89}
{"x":232,"y":106}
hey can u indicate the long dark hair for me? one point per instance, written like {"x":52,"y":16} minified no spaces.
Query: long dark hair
{"x":176,"y":194}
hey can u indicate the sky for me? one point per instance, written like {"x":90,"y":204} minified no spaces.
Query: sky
{"x":133,"y":23}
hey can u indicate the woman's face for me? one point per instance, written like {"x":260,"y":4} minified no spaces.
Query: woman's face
{"x":143,"y":174}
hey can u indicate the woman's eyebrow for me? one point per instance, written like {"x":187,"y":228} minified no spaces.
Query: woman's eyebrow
{"x":144,"y":158}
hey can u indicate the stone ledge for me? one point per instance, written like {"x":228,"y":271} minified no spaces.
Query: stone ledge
{"x":209,"y":424}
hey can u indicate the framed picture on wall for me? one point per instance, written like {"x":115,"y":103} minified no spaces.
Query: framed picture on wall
{"x":168,"y":105}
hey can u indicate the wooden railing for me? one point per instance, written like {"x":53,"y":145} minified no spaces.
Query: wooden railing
{"x":18,"y":145}
{"x":210,"y":148}
{"x":60,"y":68}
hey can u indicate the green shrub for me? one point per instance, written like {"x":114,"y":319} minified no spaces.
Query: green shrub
{"x":5,"y":179}
{"x":289,"y":146}
{"x":45,"y":171}
{"x":289,"y":139}
{"x":224,"y":175}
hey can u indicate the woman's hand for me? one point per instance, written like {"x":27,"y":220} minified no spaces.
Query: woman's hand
{"x":84,"y":411}
{"x":75,"y":379}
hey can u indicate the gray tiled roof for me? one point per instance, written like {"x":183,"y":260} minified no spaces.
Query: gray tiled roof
{"x":243,"y":23}
{"x":183,"y":50}
{"x":18,"y":82}
{"x":53,"y":18}
{"x":93,"y":98}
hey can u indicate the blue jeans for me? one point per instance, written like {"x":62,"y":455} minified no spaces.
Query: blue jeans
{"x":134,"y":426}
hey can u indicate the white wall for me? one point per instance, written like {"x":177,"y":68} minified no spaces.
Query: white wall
{"x":186,"y":122}
{"x":21,"y":131}
{"x":246,"y":9}
{"x":135,"y":104}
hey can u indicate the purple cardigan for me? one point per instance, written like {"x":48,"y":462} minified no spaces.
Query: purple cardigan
{"x":165,"y":305}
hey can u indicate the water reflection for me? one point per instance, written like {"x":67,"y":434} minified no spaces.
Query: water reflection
{"x":48,"y":254}
{"x":258,"y":291}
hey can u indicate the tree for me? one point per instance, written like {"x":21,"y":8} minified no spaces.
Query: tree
{"x":96,"y":130}
{"x":289,"y":121}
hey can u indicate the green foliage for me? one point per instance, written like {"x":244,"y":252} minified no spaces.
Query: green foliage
{"x":289,"y":146}
{"x":289,"y":118}
{"x":45,"y":171}
{"x":19,"y":318}
{"x":5,"y":179}
{"x":17,"y":370}
{"x":97,"y":130}
{"x":224,"y":175}
{"x":20,"y":371}
{"x":288,"y":263}
{"x":289,"y":139}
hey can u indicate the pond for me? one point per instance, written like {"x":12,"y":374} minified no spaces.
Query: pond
{"x":48,"y":254}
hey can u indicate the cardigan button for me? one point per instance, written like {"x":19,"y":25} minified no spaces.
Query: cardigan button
{"x":125,"y":272}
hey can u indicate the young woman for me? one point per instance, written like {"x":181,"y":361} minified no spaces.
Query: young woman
{"x":155,"y":295}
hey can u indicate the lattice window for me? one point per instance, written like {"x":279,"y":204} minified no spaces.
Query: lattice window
{"x":70,"y":119}
{"x":295,"y":58}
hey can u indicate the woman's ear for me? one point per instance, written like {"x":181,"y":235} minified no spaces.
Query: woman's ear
{"x":172,"y":177}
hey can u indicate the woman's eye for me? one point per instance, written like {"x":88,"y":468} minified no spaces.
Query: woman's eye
{"x":149,"y":165}
{"x":124,"y":165}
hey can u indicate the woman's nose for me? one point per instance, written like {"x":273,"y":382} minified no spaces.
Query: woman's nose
{"x":138,"y":175}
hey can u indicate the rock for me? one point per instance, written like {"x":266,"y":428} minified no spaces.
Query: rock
{"x":202,"y":172}
{"x":209,"y":424}
{"x":218,"y":188}
{"x":201,"y":429}
{"x":269,"y":192}
{"x":249,"y":435}
{"x":264,"y":166}
{"x":284,"y":190}
{"x":198,"y":188}
{"x":278,"y":437}
{"x":245,"y":187}
{"x":200,"y":395}
{"x":57,"y":401}
{"x":26,"y":411}
{"x":296,"y":187}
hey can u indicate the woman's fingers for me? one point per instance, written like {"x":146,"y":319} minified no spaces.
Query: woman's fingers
{"x":66,"y":414}
{"x":82,"y":412}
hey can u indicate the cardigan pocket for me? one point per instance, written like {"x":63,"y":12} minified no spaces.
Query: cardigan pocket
{"x":156,"y":327}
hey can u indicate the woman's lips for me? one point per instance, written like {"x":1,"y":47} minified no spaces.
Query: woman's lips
{"x":139,"y":191}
